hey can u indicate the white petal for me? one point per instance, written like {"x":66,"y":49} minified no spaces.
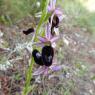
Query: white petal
{"x":54,"y":45}
{"x":56,"y":30}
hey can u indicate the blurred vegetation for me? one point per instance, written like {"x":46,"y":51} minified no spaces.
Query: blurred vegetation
{"x":13,"y":10}
{"x":79,"y":14}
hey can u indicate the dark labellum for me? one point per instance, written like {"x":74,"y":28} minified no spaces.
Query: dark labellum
{"x":47,"y":55}
{"x":55,"y":21}
{"x":37,"y":57}
{"x":30,"y":30}
{"x":45,"y":58}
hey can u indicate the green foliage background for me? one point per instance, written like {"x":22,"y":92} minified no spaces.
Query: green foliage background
{"x":13,"y":10}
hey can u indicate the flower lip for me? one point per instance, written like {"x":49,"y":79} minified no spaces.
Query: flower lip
{"x":47,"y":55}
{"x":45,"y":58}
{"x":55,"y":21}
{"x":37,"y":57}
{"x":28,"y":31}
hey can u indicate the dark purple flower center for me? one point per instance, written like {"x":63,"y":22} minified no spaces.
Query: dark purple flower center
{"x":30,"y":30}
{"x":45,"y":58}
{"x":47,"y":55}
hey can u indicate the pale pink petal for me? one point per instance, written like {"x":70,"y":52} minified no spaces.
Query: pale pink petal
{"x":46,"y":71}
{"x":54,"y":39}
{"x":58,"y":12}
{"x":61,"y":18}
{"x":52,"y":18}
{"x":40,"y":71}
{"x":42,"y":39}
{"x":56,"y":68}
{"x":49,"y":9}
{"x":48,"y":33}
{"x":53,"y":4}
{"x":50,"y":6}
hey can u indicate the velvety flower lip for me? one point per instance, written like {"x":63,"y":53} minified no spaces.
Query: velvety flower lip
{"x":37,"y":57}
{"x":47,"y":55}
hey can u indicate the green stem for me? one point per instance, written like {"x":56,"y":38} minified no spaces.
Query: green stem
{"x":28,"y":87}
{"x":42,"y":19}
{"x":28,"y":78}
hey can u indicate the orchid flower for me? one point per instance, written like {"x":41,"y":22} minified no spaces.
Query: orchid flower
{"x":45,"y":60}
{"x":55,"y":11}
{"x":48,"y":39}
{"x":45,"y":69}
